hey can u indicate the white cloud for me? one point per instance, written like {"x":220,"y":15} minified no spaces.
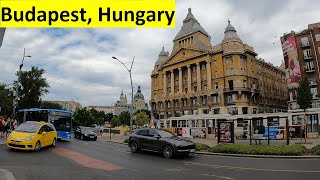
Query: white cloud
{"x":78,"y":62}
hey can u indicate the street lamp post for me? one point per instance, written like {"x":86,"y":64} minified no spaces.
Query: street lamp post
{"x":17,"y":88}
{"x":131,"y":106}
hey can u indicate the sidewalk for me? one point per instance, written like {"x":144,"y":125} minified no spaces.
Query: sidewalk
{"x":213,"y":142}
{"x":3,"y":141}
{"x":6,"y":175}
{"x":114,"y":137}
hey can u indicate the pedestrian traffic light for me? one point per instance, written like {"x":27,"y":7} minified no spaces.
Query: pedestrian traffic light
{"x":2,"y":30}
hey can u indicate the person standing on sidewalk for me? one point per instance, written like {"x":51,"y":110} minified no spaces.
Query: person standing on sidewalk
{"x":5,"y":124}
{"x":1,"y":127}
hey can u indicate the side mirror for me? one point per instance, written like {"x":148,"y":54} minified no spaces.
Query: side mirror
{"x":158,"y":136}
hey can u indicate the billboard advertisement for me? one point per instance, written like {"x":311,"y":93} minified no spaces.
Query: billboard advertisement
{"x":292,"y":67}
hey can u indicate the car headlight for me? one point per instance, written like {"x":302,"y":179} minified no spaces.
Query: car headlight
{"x":29,"y":137}
{"x":85,"y":134}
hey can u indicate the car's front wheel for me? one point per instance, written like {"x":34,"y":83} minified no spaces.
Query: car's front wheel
{"x":54,"y":142}
{"x":167,"y":151}
{"x":37,"y":147}
{"x":134,"y":147}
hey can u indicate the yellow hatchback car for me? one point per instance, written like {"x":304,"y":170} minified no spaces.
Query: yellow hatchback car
{"x":32,"y":135}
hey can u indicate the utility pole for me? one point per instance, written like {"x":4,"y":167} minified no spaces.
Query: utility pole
{"x":16,"y":94}
{"x":2,"y":31}
{"x":130,"y":73}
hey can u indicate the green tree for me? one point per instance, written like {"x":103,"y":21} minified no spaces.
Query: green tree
{"x":115,"y":121}
{"x":83,"y":117}
{"x":6,"y":100}
{"x":109,"y":117}
{"x":124,"y":118}
{"x":141,"y":119}
{"x":304,"y":99}
{"x":50,"y":105}
{"x":146,"y":111}
{"x":32,"y":85}
{"x":99,"y":116}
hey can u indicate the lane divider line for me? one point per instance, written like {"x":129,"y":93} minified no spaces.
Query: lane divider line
{"x":221,"y":177}
{"x":252,"y":169}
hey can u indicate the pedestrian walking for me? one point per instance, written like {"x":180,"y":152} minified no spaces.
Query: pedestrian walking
{"x":5,"y":127}
{"x":1,"y":127}
{"x":15,"y":124}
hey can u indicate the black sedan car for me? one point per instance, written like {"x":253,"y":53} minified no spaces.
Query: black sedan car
{"x":159,"y":141}
{"x":85,"y":133}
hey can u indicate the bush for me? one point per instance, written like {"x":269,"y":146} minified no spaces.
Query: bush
{"x":316,"y":149}
{"x":126,"y":141}
{"x":201,"y":147}
{"x":288,"y":150}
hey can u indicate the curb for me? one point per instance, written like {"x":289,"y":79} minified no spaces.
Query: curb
{"x":257,"y":156}
{"x":117,"y":142}
{"x":243,"y":155}
{"x":7,"y":174}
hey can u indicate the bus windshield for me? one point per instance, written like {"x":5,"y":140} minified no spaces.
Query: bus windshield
{"x":61,"y":123}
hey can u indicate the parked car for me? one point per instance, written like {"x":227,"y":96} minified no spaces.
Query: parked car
{"x":159,"y":141}
{"x":85,"y":133}
{"x":32,"y":135}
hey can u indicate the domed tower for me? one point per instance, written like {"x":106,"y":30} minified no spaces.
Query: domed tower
{"x":231,"y":42}
{"x":123,"y":98}
{"x":163,"y":56}
{"x":138,"y":95}
{"x":139,"y":103}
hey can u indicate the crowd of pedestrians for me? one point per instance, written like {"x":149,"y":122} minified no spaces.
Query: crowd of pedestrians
{"x":6,"y":126}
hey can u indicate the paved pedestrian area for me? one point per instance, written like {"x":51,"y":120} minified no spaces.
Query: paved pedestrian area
{"x":213,"y":142}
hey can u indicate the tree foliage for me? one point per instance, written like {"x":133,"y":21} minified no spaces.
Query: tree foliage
{"x":124,"y":118}
{"x":304,"y":96}
{"x":83,"y":117}
{"x":141,"y":119}
{"x":148,"y":113}
{"x":6,"y":100}
{"x":31,"y":86}
{"x":99,"y":116}
{"x":50,"y":105}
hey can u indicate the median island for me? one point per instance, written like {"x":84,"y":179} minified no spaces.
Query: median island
{"x":275,"y":150}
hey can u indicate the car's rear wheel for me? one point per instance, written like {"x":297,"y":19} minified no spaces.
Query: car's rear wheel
{"x":54,"y":142}
{"x":167,"y":151}
{"x":134,"y":147}
{"x":37,"y":147}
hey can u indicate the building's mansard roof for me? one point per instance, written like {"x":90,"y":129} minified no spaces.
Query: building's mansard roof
{"x":190,"y":25}
{"x":230,"y":33}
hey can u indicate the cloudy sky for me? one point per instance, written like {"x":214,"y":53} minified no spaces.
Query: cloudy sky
{"x":78,"y":62}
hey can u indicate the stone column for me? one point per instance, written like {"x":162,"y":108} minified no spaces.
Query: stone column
{"x":209,"y":75}
{"x":198,"y":77}
{"x":180,"y":81}
{"x":165,"y":83}
{"x":189,"y":79}
{"x":172,"y":82}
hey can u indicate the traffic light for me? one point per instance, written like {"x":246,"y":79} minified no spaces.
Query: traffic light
{"x":2,"y":30}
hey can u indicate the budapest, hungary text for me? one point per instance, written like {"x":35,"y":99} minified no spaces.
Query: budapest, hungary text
{"x":104,"y":15}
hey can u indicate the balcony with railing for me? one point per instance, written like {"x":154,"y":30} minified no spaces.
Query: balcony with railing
{"x":310,"y":70}
{"x":236,"y":89}
{"x":312,"y":82}
{"x":308,"y":57}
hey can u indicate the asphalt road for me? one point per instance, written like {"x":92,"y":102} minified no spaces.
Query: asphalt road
{"x":84,"y":160}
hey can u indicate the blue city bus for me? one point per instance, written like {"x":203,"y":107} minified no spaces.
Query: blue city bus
{"x":61,"y":119}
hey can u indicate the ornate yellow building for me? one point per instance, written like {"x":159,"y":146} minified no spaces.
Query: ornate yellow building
{"x":198,"y":78}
